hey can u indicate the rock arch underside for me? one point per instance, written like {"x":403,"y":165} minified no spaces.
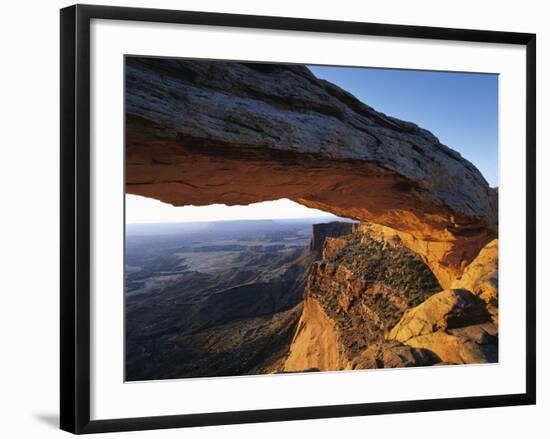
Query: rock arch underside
{"x":237,"y":133}
{"x":202,"y":133}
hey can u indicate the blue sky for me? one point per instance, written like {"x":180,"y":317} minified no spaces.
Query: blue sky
{"x":461,"y":109}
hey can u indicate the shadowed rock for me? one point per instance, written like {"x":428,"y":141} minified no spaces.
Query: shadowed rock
{"x":446,"y":310}
{"x":392,"y":354}
{"x":453,"y":324}
{"x":469,"y":345}
{"x":316,"y":343}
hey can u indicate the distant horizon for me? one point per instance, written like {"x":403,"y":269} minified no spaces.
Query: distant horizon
{"x":327,"y":218}
{"x":143,"y":210}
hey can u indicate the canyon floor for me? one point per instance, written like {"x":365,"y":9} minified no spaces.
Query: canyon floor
{"x":213,"y":299}
{"x":251,"y":297}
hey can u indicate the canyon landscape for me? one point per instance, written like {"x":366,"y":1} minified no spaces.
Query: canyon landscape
{"x":399,"y":267}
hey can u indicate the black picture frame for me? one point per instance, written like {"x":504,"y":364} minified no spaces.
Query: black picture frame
{"x":75,"y":217}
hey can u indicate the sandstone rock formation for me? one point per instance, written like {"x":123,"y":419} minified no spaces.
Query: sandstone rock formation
{"x":316,"y":344}
{"x":446,"y":310}
{"x":332,"y":246}
{"x":432,"y":252}
{"x":201,"y":132}
{"x":453,"y":324}
{"x":371,"y":304}
{"x":323,"y":231}
{"x":394,"y":354}
{"x":353,"y":298}
{"x":481,"y":278}
{"x":470,"y":345}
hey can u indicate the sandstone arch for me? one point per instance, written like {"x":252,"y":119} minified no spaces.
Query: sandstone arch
{"x":237,"y":133}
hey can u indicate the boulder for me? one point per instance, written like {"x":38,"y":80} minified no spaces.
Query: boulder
{"x":469,"y":345}
{"x":448,"y":309}
{"x":454,"y":325}
{"x":392,"y":355}
{"x":481,"y":278}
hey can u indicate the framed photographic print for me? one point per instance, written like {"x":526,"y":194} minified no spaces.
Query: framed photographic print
{"x":268,"y":218}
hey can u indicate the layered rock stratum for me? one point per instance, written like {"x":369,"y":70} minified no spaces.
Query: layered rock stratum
{"x":323,"y":231}
{"x":372,"y":303}
{"x":201,"y":132}
{"x":359,"y":290}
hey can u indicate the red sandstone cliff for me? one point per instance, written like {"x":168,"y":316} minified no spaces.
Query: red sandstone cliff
{"x":371,"y":302}
{"x":323,"y":231}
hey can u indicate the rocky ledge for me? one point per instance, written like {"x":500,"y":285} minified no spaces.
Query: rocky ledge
{"x":372,"y":303}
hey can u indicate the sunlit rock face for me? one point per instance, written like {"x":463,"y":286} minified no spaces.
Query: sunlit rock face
{"x":237,"y":133}
{"x":316,"y":345}
{"x":354,"y":296}
{"x":453,"y":324}
{"x":372,"y":303}
{"x":481,"y":278}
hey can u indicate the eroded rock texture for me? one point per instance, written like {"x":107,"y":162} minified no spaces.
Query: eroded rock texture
{"x":316,"y":344}
{"x":453,"y":324}
{"x":203,"y":132}
{"x":448,"y":309}
{"x":481,"y":278}
{"x":393,"y":354}
{"x":353,"y":298}
{"x":323,"y":231}
{"x":372,"y":303}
